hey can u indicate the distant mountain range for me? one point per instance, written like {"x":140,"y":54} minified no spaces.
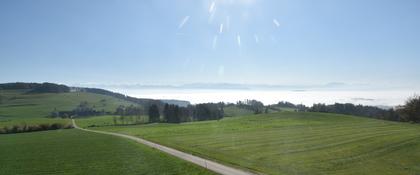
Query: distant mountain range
{"x":235,"y":86}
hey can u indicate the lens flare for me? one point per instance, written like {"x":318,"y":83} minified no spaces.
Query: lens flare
{"x":183,"y":22}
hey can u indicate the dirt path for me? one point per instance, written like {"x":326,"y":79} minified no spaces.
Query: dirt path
{"x":208,"y":164}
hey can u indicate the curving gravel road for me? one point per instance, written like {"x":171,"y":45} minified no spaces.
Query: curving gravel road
{"x":208,"y":164}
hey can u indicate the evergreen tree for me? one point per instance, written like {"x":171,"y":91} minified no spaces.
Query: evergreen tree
{"x":154,"y":114}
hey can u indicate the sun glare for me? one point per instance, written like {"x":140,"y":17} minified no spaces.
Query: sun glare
{"x":224,"y":13}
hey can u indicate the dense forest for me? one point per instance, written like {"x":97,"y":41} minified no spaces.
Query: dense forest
{"x":171,"y":113}
{"x":18,"y":85}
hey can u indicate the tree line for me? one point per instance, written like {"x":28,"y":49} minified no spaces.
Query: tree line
{"x":254,"y":105}
{"x":409,"y":112}
{"x":168,"y":113}
{"x":129,"y":115}
{"x":36,"y":87}
{"x":176,"y":114}
{"x":18,"y":85}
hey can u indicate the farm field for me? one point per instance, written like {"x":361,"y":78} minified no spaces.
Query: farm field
{"x":295,"y":143}
{"x":76,"y":152}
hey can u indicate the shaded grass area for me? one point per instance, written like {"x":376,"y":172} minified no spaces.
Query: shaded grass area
{"x":77,"y":152}
{"x":108,"y":120}
{"x":31,"y":121}
{"x":295,"y":143}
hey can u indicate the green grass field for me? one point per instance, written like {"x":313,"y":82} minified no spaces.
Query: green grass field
{"x":275,"y":143}
{"x":77,"y":152}
{"x":295,"y":143}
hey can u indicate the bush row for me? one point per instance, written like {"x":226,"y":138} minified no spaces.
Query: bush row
{"x":33,"y":128}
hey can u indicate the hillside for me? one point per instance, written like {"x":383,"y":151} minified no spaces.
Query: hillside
{"x":20,"y":104}
{"x":35,"y":100}
{"x":295,"y":143}
{"x":24,"y":104}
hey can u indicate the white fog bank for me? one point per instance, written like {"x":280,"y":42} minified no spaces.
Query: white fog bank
{"x":375,"y":98}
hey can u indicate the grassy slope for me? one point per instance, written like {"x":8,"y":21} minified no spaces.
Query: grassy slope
{"x":77,"y":152}
{"x":233,"y":111}
{"x":296,"y":143}
{"x":17,"y":104}
{"x":17,"y":107}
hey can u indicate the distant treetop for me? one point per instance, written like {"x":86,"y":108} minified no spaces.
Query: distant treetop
{"x":36,"y":87}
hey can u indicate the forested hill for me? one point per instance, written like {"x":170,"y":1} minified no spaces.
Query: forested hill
{"x":59,"y":88}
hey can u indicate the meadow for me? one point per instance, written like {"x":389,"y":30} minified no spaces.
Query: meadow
{"x":295,"y":143}
{"x":73,"y":151}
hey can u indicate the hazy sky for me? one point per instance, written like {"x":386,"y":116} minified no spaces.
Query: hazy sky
{"x":187,"y":41}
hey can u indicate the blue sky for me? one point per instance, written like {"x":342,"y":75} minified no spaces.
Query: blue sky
{"x":181,"y":41}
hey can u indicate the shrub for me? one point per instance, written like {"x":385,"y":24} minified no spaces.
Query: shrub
{"x":15,"y":129}
{"x":56,"y":126}
{"x":33,"y":128}
{"x":68,"y":126}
